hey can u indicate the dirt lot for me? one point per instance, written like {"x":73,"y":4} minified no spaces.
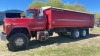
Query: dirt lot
{"x":59,"y":46}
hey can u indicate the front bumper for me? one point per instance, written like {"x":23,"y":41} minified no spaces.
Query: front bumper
{"x":3,"y":36}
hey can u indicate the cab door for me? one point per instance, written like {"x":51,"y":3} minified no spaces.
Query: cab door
{"x":40,"y":21}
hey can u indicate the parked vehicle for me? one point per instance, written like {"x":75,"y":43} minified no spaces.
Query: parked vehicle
{"x":41,"y":23}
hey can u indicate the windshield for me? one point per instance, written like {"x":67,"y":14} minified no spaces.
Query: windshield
{"x":29,"y":13}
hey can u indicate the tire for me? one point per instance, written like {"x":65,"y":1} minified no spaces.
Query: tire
{"x":75,"y":33}
{"x":8,"y":37}
{"x":83,"y":32}
{"x":18,"y":41}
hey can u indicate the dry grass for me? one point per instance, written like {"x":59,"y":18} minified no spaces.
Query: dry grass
{"x":59,"y":46}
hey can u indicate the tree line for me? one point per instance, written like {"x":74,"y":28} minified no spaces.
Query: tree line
{"x":60,"y":4}
{"x":57,"y":3}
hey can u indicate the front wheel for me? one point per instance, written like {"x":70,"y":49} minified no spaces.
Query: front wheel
{"x":18,"y":41}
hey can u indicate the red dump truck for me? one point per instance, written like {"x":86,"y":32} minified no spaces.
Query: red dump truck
{"x":41,"y":23}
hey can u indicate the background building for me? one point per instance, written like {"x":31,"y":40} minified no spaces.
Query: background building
{"x":9,"y":14}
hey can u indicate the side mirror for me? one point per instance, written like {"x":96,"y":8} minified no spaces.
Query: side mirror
{"x":23,"y":16}
{"x":41,"y":13}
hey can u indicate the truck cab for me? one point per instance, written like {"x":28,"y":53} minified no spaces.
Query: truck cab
{"x":34,"y":22}
{"x":38,"y":19}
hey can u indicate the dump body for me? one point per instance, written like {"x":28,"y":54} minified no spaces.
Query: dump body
{"x":41,"y":23}
{"x":59,"y":18}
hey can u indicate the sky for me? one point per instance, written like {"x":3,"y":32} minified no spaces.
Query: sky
{"x":91,"y":5}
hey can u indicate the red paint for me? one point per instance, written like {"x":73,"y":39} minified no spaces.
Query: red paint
{"x":65,"y":18}
{"x":54,"y":18}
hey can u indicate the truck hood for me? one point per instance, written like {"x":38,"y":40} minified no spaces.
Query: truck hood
{"x":17,"y":21}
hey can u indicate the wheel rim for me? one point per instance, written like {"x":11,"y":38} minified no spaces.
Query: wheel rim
{"x":19,"y":42}
{"x":77,"y":34}
{"x":84,"y":33}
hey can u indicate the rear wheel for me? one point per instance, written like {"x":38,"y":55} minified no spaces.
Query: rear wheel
{"x":18,"y":41}
{"x":84,"y":32}
{"x":75,"y":33}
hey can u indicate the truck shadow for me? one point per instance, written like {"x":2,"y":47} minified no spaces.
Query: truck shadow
{"x":58,"y":40}
{"x":55,"y":40}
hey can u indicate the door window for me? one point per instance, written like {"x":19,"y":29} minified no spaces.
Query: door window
{"x":39,"y":14}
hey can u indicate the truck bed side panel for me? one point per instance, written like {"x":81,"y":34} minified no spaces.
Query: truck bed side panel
{"x":64,"y":18}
